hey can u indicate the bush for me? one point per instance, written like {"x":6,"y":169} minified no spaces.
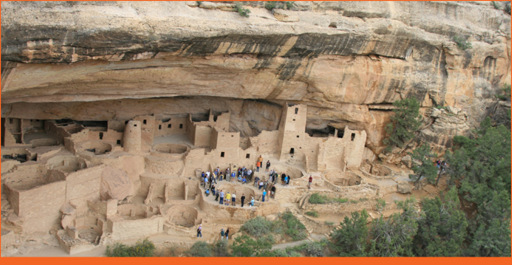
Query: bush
{"x":294,"y":228}
{"x":313,"y":249}
{"x":220,"y":248}
{"x":145,"y":248}
{"x":312,"y":213}
{"x":507,"y":8}
{"x":257,"y":227}
{"x":316,"y":198}
{"x":340,"y":200}
{"x":381,"y":204}
{"x":245,"y":246}
{"x":270,"y":5}
{"x":462,"y":43}
{"x":200,"y":249}
{"x":244,"y":12}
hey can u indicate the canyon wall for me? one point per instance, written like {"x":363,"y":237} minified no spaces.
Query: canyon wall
{"x":348,"y":61}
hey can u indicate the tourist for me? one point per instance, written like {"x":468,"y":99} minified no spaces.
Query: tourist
{"x":273,"y":192}
{"x":242,"y":199}
{"x":283,"y":178}
{"x":310,"y":181}
{"x":263,"y":195}
{"x":199,"y":231}
{"x":256,"y":181}
{"x":213,"y":189}
{"x":244,"y":180}
{"x":228,"y":198}
{"x":249,"y":173}
{"x":227,"y":233}
{"x":252,"y":201}
{"x":217,"y":196}
{"x":222,"y":233}
{"x":287,"y":179}
{"x":268,"y":165}
{"x":205,"y":181}
{"x":261,"y":185}
{"x":221,"y":177}
{"x":207,"y":192}
{"x":221,"y":197}
{"x":233,"y":199}
{"x":233,"y":175}
{"x":258,"y":164}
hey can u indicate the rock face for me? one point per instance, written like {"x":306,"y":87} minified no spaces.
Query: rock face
{"x":346,"y":60}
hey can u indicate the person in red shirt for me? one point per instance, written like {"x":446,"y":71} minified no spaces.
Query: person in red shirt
{"x":310,"y":181}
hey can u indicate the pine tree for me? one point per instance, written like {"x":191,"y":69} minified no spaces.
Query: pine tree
{"x":404,"y":123}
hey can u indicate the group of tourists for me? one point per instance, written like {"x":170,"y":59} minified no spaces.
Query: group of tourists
{"x":223,"y":234}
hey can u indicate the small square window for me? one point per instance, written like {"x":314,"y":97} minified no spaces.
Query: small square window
{"x":181,"y":126}
{"x":297,"y":136}
{"x":169,"y":125}
{"x":248,"y":156}
{"x":118,"y":142}
{"x":221,"y":154}
{"x":144,"y":121}
{"x":353,"y":136}
{"x":159,"y":127}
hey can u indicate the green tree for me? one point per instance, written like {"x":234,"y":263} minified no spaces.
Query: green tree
{"x":423,"y":165}
{"x":221,"y":248}
{"x":404,"y":123}
{"x":143,"y":248}
{"x":394,"y":236}
{"x":480,"y":168}
{"x":246,"y":246}
{"x":441,"y":227}
{"x":350,"y":239}
{"x":200,"y":249}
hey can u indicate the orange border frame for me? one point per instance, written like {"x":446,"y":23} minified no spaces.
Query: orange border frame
{"x":245,"y":261}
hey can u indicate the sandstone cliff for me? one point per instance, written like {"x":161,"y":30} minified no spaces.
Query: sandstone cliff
{"x":346,"y":60}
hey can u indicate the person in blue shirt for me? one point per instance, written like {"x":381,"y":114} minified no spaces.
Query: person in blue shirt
{"x":263,"y":196}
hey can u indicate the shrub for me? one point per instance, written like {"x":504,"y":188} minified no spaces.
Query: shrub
{"x":329,"y":223}
{"x":289,"y":5}
{"x":294,"y":228}
{"x":200,"y":249}
{"x":245,"y":246}
{"x":257,"y":227}
{"x":381,"y":204}
{"x":220,"y":248}
{"x":507,"y":8}
{"x":145,"y":248}
{"x":340,"y":200}
{"x":244,"y":12}
{"x":270,"y":5}
{"x":316,"y":198}
{"x":312,"y":249}
{"x":495,"y":5}
{"x":462,"y":43}
{"x":312,"y":213}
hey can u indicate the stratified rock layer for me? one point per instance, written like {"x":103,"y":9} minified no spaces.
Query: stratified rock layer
{"x":346,"y":60}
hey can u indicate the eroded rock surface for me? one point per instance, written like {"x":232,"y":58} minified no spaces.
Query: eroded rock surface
{"x":345,"y":60}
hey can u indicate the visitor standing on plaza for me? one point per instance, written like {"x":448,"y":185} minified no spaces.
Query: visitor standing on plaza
{"x":242,"y":199}
{"x":199,"y":231}
{"x":310,"y":181}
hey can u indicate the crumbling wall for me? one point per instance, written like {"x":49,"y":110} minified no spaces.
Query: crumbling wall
{"x":147,"y":131}
{"x":267,"y":142}
{"x":170,"y":126}
{"x":39,"y":207}
{"x":84,"y":185}
{"x":135,"y":229}
{"x":132,"y":140}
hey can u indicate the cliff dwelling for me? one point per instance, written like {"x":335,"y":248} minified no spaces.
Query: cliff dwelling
{"x":110,"y":122}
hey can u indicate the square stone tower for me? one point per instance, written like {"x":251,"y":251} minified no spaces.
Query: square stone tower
{"x":292,"y":130}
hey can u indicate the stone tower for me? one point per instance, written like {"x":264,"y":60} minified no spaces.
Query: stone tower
{"x":132,"y":136}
